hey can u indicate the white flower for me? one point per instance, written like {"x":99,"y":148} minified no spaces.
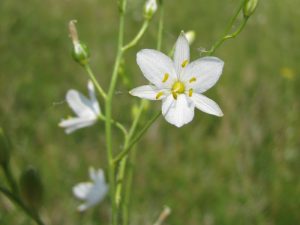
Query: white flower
{"x":150,"y":7}
{"x":179,"y":83}
{"x":87,"y":110}
{"x":91,"y":192}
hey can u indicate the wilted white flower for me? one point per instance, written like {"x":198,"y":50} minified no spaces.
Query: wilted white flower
{"x":179,"y":83}
{"x":87,"y":110}
{"x":150,"y":7}
{"x":91,"y":192}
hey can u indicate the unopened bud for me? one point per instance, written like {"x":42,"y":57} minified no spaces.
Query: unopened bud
{"x":4,"y":148}
{"x":249,"y":7}
{"x":80,"y":51}
{"x":190,"y":36}
{"x":31,"y":188}
{"x":150,"y":8}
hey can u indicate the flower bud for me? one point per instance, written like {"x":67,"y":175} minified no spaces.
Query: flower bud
{"x":150,"y":8}
{"x":190,"y":36}
{"x":249,"y":7}
{"x":80,"y":51}
{"x":4,"y":148}
{"x":31,"y":188}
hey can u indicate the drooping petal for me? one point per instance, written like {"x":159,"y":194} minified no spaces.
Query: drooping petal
{"x":156,"y":67}
{"x":81,"y":190}
{"x":74,"y":124}
{"x":93,"y":98}
{"x":149,"y":92}
{"x":181,"y":54}
{"x":96,"y":193}
{"x":202,"y":74}
{"x":178,"y":112}
{"x":207,"y":105}
{"x":81,"y":106}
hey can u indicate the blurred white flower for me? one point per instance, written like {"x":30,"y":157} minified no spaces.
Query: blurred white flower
{"x":91,"y":192}
{"x":87,"y":110}
{"x":179,"y":83}
{"x":150,"y":7}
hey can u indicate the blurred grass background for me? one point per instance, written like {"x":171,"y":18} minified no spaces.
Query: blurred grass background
{"x":240,"y":169}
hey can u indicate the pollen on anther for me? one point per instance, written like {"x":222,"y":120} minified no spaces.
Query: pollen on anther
{"x":159,"y":94}
{"x":193,"y":79}
{"x":184,"y":63}
{"x":166,"y":77}
{"x":191,"y":92}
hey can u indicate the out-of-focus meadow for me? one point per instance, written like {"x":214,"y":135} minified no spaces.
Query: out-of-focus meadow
{"x":239,"y":169}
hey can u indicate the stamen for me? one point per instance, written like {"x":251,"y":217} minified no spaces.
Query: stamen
{"x":174,"y":95}
{"x":184,"y":63}
{"x":193,"y":79}
{"x":166,"y":77}
{"x":159,"y":94}
{"x":191,"y":92}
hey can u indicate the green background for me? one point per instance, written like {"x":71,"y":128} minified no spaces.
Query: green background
{"x":239,"y":169}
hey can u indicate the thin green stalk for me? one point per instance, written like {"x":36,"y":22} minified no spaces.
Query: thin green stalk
{"x":227,"y":30}
{"x":94,"y":80}
{"x":108,"y":112}
{"x":139,"y":35}
{"x":18,"y":202}
{"x":160,"y":26}
{"x":10,"y":179}
{"x":121,"y":155}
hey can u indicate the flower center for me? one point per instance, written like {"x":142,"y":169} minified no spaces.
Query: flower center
{"x":177,"y":88}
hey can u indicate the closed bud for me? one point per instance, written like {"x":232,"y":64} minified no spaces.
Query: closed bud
{"x":31,"y":188}
{"x":249,"y":7}
{"x":80,"y":51}
{"x":190,"y":36}
{"x":4,"y":148}
{"x":150,"y":8}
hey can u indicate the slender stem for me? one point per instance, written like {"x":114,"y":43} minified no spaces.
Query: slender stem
{"x":18,"y":202}
{"x":116,"y":124}
{"x":108,"y":111}
{"x":136,"y":139}
{"x":227,"y":30}
{"x":139,"y":35}
{"x":94,"y":80}
{"x":10,"y":179}
{"x":160,"y":26}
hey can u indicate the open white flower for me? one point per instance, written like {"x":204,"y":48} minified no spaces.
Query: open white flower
{"x":91,"y":192}
{"x":179,"y":83}
{"x":87,"y":110}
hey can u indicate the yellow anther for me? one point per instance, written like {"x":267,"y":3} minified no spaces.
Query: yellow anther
{"x":159,"y":94}
{"x":174,"y":95}
{"x":193,"y":79}
{"x":184,"y":63}
{"x":166,"y":77}
{"x":191,"y":92}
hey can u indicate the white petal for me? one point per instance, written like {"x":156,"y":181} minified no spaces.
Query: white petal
{"x":83,"y":207}
{"x":96,"y":193}
{"x":207,"y":105}
{"x":93,"y":98}
{"x":80,"y":104}
{"x":155,"y":65}
{"x":203,"y":73}
{"x":149,"y":92}
{"x":73,"y":124}
{"x":178,"y":112}
{"x":81,"y":190}
{"x":182,"y":53}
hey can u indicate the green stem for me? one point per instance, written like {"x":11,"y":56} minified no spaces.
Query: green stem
{"x":227,"y":30}
{"x":108,"y":112}
{"x":116,"y":124}
{"x":160,"y":26}
{"x":94,"y":80}
{"x":136,"y":139}
{"x":139,"y":35}
{"x":10,"y":179}
{"x":18,"y":202}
